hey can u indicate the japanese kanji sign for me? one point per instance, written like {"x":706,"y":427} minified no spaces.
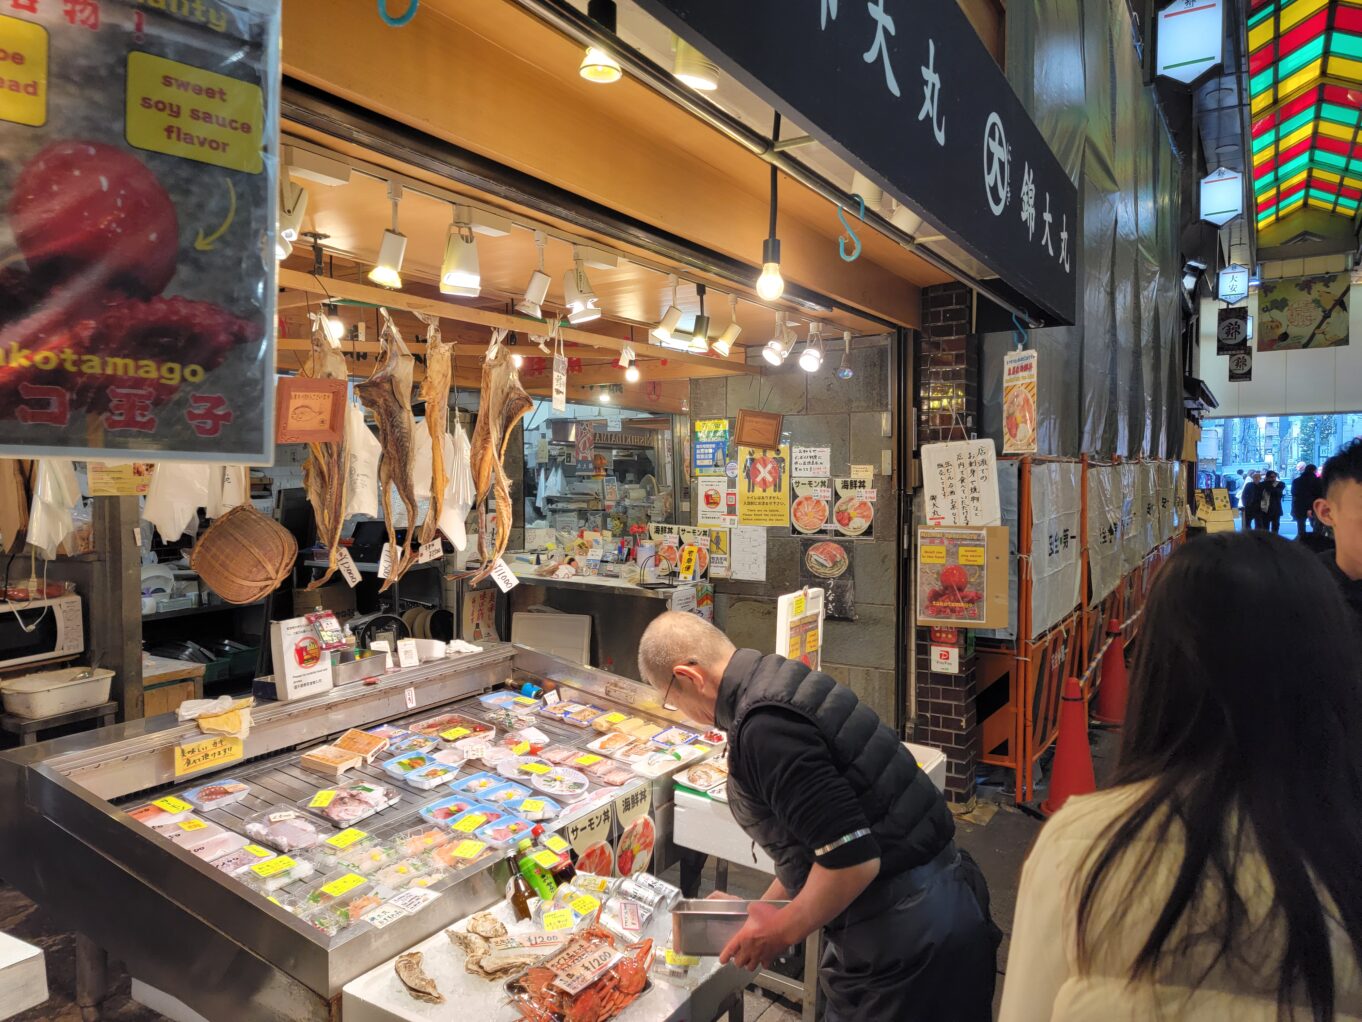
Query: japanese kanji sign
{"x":764,"y":486}
{"x":1105,"y":538}
{"x":1231,"y":330}
{"x":138,"y":204}
{"x":1056,"y":503}
{"x":908,"y":95}
{"x":960,"y":483}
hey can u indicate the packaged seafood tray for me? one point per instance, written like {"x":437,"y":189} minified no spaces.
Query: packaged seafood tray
{"x":390,"y":732}
{"x":703,"y":776}
{"x":421,"y":840}
{"x":450,"y":757}
{"x":558,"y":754}
{"x":412,"y":871}
{"x":412,"y":745}
{"x":519,"y":768}
{"x":634,"y":751}
{"x":480,"y":749}
{"x":445,"y":811}
{"x":272,"y":874}
{"x":595,"y":976}
{"x":163,"y":811}
{"x":362,"y":743}
{"x":673,"y":736}
{"x":243,"y":859}
{"x":339,"y":901}
{"x":615,"y":776}
{"x":611,"y":721}
{"x":447,"y":727}
{"x":329,"y":761}
{"x":478,"y":784}
{"x":474,"y":819}
{"x":535,"y":808}
{"x":504,"y":831}
{"x":506,"y":699}
{"x":430,"y":776}
{"x":345,"y":806}
{"x":559,"y":710}
{"x":399,"y":766}
{"x":608,"y":745}
{"x":217,"y":795}
{"x":285,"y":830}
{"x":464,"y":852}
{"x":197,"y":836}
{"x":660,"y":764}
{"x":645,"y":730}
{"x":503,"y":793}
{"x":583,"y":715}
{"x":562,"y":782}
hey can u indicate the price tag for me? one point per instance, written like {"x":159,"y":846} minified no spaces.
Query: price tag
{"x":384,"y":915}
{"x":615,"y":718}
{"x":631,"y":918}
{"x":560,"y":920}
{"x":410,"y":696}
{"x":523,"y":701}
{"x":171,"y":804}
{"x":534,"y":768}
{"x":799,"y":606}
{"x":470,"y":823}
{"x":546,"y":859}
{"x":556,"y":844}
{"x":431,"y":551}
{"x":413,"y":899}
{"x":468,"y":849}
{"x":584,"y":905}
{"x":455,"y":733}
{"x":406,"y":653}
{"x":346,"y":838}
{"x":385,"y":561}
{"x":258,"y":852}
{"x":678,"y":961}
{"x":521,"y":748}
{"x":348,"y":569}
{"x":551,"y":697}
{"x":277,"y":865}
{"x":322,"y":799}
{"x":532,"y":805}
{"x":587,"y":760}
{"x":193,"y":825}
{"x":346,"y":884}
{"x":503,"y":576}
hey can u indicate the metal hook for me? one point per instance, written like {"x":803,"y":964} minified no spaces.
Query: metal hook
{"x":842,"y":240}
{"x":397,"y":21}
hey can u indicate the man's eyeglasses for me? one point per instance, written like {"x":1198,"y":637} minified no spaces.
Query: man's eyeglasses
{"x":666,"y":697}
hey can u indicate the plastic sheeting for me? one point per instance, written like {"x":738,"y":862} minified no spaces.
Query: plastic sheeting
{"x":1056,"y":538}
{"x":1076,"y":71}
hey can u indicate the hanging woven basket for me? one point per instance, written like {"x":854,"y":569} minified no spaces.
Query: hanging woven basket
{"x":244,"y":556}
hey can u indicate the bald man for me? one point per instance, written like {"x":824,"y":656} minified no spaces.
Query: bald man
{"x":862,"y":841}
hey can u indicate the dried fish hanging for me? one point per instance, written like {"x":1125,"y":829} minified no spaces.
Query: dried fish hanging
{"x":503,"y":403}
{"x":327,"y":467}
{"x":435,"y":393}
{"x":387,"y":394}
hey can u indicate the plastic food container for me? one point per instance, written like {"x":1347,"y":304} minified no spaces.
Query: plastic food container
{"x":243,"y":859}
{"x":558,"y":754}
{"x":504,"y":831}
{"x":582,"y":716}
{"x":206,"y":840}
{"x":504,"y":793}
{"x":366,"y":856}
{"x":535,"y":808}
{"x":466,"y":824}
{"x":272,"y":874}
{"x":285,"y":830}
{"x":431,"y":776}
{"x":152,"y":815}
{"x":478,"y":784}
{"x":413,"y":871}
{"x":400,"y":766}
{"x":421,"y":840}
{"x":446,"y":810}
{"x":563,"y":782}
{"x":411,"y":745}
{"x":48,"y":693}
{"x":611,"y":743}
{"x":674,"y":736}
{"x":391,"y":732}
{"x":521,"y":768}
{"x":463,"y":852}
{"x":446,"y":725}
{"x":218,"y":794}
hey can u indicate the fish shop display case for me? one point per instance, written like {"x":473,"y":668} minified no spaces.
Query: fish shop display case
{"x":202,"y":936}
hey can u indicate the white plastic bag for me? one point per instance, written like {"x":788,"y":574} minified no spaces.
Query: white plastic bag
{"x":422,"y":462}
{"x":459,"y":491}
{"x":229,"y":486}
{"x":178,"y":489}
{"x":56,"y":492}
{"x":361,"y":490}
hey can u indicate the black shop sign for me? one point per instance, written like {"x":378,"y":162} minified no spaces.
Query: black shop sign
{"x":905,"y":92}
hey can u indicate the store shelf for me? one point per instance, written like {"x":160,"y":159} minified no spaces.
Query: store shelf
{"x":212,"y":608}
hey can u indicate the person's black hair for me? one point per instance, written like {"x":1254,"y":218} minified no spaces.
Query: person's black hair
{"x":1238,"y":754}
{"x":1345,"y":464}
{"x":1311,"y":468}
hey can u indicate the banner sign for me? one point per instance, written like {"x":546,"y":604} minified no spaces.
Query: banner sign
{"x":907,"y":94}
{"x":1231,"y":330}
{"x":1166,"y":499}
{"x":1056,"y":503}
{"x":1105,"y":541}
{"x":1147,"y":512}
{"x":1303,"y":312}
{"x":1241,"y":366}
{"x":138,"y":201}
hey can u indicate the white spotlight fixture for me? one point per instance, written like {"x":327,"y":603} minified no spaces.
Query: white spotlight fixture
{"x":724,"y":345}
{"x":598,"y":66}
{"x":694,"y":68}
{"x":811,"y":358}
{"x":283,"y":248}
{"x":538,"y":287}
{"x":777,"y":349}
{"x":459,"y":273}
{"x":844,"y":370}
{"x":662,"y":333}
{"x":292,"y":207}
{"x":699,"y":334}
{"x":582,"y":304}
{"x":387,"y":271}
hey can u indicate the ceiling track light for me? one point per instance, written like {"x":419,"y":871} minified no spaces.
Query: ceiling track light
{"x":459,"y":272}
{"x":582,"y":304}
{"x":292,"y":208}
{"x":387,"y":271}
{"x":811,"y":358}
{"x":724,"y":345}
{"x":694,"y":68}
{"x":699,"y":334}
{"x":844,"y":370}
{"x":538,"y":287}
{"x":662,"y":333}
{"x":777,"y":349}
{"x":598,"y":66}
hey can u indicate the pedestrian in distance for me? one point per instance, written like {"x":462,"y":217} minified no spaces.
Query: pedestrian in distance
{"x":1270,"y":502}
{"x":1248,"y":500}
{"x":1306,"y":488}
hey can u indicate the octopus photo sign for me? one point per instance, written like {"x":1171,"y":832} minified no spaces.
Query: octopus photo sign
{"x":138,"y":205}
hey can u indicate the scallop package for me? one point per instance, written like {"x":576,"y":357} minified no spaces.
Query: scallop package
{"x":285,"y":830}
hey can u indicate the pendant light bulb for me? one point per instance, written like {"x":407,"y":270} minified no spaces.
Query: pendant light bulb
{"x":811,"y":358}
{"x":332,"y":325}
{"x":582,"y":304}
{"x":538,"y":287}
{"x":605,"y":397}
{"x":517,"y":360}
{"x":598,"y":66}
{"x":459,"y":273}
{"x":632,"y":374}
{"x":770,"y":285}
{"x":387,"y":271}
{"x":844,"y":370}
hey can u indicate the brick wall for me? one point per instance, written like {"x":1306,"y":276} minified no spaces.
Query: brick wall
{"x":946,"y":378}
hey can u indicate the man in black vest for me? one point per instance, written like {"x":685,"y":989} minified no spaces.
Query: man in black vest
{"x":861,"y":839}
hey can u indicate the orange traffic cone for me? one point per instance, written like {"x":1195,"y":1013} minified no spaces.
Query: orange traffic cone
{"x":1071,"y":773}
{"x":1111,"y":694}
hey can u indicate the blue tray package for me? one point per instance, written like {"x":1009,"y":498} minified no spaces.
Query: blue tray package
{"x":478,"y":784}
{"x":503,"y":793}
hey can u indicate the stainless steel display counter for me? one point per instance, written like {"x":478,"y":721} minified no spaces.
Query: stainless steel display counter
{"x":188,"y":929}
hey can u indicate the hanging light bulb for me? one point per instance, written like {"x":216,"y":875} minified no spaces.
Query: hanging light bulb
{"x":694,"y":68}
{"x":724,"y":345}
{"x":844,"y":370}
{"x":582,"y":303}
{"x":387,"y":271}
{"x":598,"y":66}
{"x":662,"y":333}
{"x":292,"y":207}
{"x":777,"y":349}
{"x":628,"y":362}
{"x":538,"y":287}
{"x":517,"y":359}
{"x":699,"y":334}
{"x":459,"y":273}
{"x":770,"y":285}
{"x":605,"y":395}
{"x":332,"y":325}
{"x":811,"y":358}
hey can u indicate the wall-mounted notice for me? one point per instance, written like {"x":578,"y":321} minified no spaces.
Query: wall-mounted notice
{"x":139,"y":184}
{"x":764,"y":486}
{"x":853,"y":513}
{"x":1019,"y":402}
{"x":810,"y":462}
{"x":749,"y":554}
{"x":960,"y":483}
{"x":711,"y":493}
{"x":962,"y":577}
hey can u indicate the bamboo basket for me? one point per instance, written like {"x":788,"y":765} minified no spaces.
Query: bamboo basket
{"x":244,"y":556}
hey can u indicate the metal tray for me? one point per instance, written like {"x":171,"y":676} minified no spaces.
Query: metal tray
{"x":704,"y":926}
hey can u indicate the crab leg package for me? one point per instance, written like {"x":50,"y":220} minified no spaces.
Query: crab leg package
{"x":962,"y":577}
{"x":139,"y":188}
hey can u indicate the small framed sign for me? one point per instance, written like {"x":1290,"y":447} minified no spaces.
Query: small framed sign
{"x":759,"y":429}
{"x":308,"y":411}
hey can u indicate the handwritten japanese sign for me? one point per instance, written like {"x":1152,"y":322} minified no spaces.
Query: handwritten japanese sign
{"x":141,"y":184}
{"x":1056,"y":506}
{"x":919,"y":106}
{"x":1105,"y":538}
{"x":209,"y":753}
{"x":960,"y":483}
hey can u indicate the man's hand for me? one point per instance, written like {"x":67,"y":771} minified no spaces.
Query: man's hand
{"x":721,"y":896}
{"x":760,"y":940}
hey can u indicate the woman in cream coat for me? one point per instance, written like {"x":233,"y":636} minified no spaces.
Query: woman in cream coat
{"x":1221,"y":878}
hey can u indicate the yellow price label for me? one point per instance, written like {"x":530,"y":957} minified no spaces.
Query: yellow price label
{"x":546,"y":859}
{"x":455,"y":733}
{"x":584,"y":905}
{"x":811,"y":641}
{"x":534,"y":768}
{"x":521,"y":748}
{"x":258,"y":852}
{"x":468,"y":849}
{"x":677,"y":960}
{"x":346,"y":838}
{"x":470,"y":823}
{"x":171,"y":804}
{"x":556,"y":844}
{"x":971,"y":555}
{"x":560,"y":920}
{"x":799,"y":606}
{"x":532,"y":805}
{"x":193,"y":825}
{"x":931,"y":553}
{"x":615,"y":718}
{"x":277,"y":865}
{"x":588,"y":760}
{"x":525,"y":701}
{"x":344,"y":885}
{"x":796,"y":649}
{"x":322,"y":799}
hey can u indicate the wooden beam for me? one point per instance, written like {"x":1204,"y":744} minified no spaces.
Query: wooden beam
{"x":333,"y":288}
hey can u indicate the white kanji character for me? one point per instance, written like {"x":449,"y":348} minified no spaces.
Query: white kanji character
{"x":883,"y":23}
{"x":829,"y":11}
{"x":1045,"y":238}
{"x":931,"y":95}
{"x":1064,"y":242}
{"x":1028,"y":201}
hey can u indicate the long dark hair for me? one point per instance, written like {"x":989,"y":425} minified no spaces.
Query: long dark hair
{"x":1245,"y":723}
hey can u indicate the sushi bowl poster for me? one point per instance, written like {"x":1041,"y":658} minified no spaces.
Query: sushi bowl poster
{"x":829,"y":565}
{"x":1303,"y":312}
{"x":1019,"y":402}
{"x":961,"y":576}
{"x":138,"y":204}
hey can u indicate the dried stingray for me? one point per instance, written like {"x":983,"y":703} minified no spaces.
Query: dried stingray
{"x":503,"y":404}
{"x":327,"y":465}
{"x":387,"y":394}
{"x":484,"y":924}
{"x":414,"y":978}
{"x":435,"y":393}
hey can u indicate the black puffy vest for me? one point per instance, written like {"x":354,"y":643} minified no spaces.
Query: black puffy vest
{"x":908,"y":817}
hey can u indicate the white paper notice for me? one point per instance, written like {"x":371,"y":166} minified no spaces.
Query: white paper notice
{"x":960,"y":483}
{"x":749,"y":553}
{"x":410,"y":696}
{"x":684,"y":599}
{"x":406,"y":653}
{"x":810,"y":462}
{"x":385,"y":561}
{"x":347,"y":567}
{"x":560,"y":367}
{"x":503,"y":576}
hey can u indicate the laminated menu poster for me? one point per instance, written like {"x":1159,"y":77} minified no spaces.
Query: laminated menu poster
{"x":799,"y":626}
{"x":764,"y":486}
{"x":828,"y":565}
{"x":1019,"y":402}
{"x":962,"y":577}
{"x":718,"y":505}
{"x":138,"y":202}
{"x":711,"y":445}
{"x":853,"y":513}
{"x":810,"y":501}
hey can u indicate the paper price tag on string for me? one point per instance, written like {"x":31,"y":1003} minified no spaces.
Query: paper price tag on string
{"x":406,"y":653}
{"x":385,"y":561}
{"x":503,"y":576}
{"x":559,"y":920}
{"x":348,"y":569}
{"x":346,"y":838}
{"x":346,"y":884}
{"x":468,"y":849}
{"x":277,"y":865}
{"x":431,"y":551}
{"x":171,"y":804}
{"x":322,"y":799}
{"x":470,"y":823}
